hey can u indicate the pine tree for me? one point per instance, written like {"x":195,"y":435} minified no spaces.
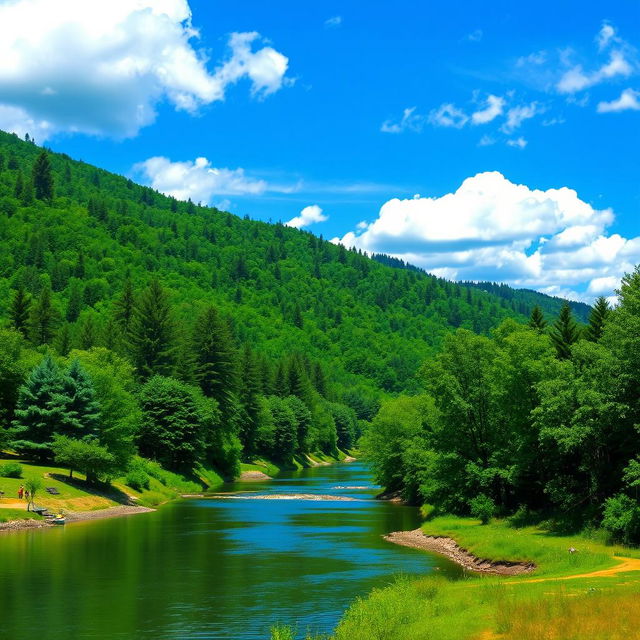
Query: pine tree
{"x":28,"y":193}
{"x":74,"y":305}
{"x":80,"y":408}
{"x":88,"y":333}
{"x":43,"y":318}
{"x":43,"y":177}
{"x":39,"y":411}
{"x":19,"y":186}
{"x":152,"y":334}
{"x":124,"y":307}
{"x":565,"y":332}
{"x":597,"y":319}
{"x":19,"y":311}
{"x":250,"y":397}
{"x":537,"y":320}
{"x":63,"y":341}
{"x":216,"y":359}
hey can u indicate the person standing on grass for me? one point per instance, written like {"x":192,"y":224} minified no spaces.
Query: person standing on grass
{"x":20,"y":492}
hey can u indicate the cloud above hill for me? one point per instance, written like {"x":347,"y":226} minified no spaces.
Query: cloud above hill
{"x":493,"y":229}
{"x":102,"y":68}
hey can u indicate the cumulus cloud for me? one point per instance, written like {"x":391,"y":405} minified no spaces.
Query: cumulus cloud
{"x":102,"y":67}
{"x":309,"y":215}
{"x":494,"y":107}
{"x":200,"y":181}
{"x":493,"y":229}
{"x":628,"y":100}
{"x":576,"y":79}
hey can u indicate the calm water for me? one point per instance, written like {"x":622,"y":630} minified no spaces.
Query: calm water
{"x":209,"y":568}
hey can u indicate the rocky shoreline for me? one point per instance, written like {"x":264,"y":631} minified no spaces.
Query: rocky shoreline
{"x":75,"y":516}
{"x":448,"y":547}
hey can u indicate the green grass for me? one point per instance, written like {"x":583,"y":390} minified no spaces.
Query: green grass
{"x":488,"y":607}
{"x":273,"y":468}
{"x":9,"y":515}
{"x":499,"y":541}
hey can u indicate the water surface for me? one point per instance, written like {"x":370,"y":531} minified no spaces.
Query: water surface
{"x":210,"y":568}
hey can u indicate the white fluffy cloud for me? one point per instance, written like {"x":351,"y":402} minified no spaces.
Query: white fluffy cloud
{"x":199,"y":180}
{"x":448,"y":115}
{"x":628,"y":100}
{"x":102,"y":67}
{"x":410,"y":121}
{"x":493,"y":229}
{"x":309,"y":215}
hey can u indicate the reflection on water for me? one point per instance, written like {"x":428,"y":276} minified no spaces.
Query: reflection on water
{"x":209,"y":568}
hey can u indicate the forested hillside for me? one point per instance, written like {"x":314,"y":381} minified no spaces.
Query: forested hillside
{"x":137,"y":322}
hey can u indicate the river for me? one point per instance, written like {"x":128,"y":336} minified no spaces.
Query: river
{"x":210,"y":568}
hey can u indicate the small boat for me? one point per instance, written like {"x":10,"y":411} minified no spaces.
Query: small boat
{"x":58,"y":520}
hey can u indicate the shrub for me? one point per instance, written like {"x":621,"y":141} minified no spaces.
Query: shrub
{"x":483,"y":507}
{"x":11,"y":470}
{"x":138,"y":479}
{"x":622,"y":518}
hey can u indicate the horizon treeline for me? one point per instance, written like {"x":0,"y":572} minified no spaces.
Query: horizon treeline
{"x":533,"y":421}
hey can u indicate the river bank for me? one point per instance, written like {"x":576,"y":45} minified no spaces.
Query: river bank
{"x":78,"y":516}
{"x":578,"y":582}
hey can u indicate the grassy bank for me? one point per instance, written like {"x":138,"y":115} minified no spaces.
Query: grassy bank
{"x":272,"y":468}
{"x":570,"y":596}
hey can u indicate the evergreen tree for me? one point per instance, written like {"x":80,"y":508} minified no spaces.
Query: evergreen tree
{"x":43,"y":177}
{"x":537,"y":320}
{"x":80,"y":408}
{"x":19,"y":185}
{"x":565,"y":332}
{"x":597,"y":319}
{"x":88,"y":333}
{"x":124,"y":307}
{"x":39,"y":410}
{"x":63,"y":341}
{"x":250,"y":391}
{"x":152,"y":335}
{"x":43,"y":318}
{"x":74,"y":305}
{"x":216,"y":359}
{"x":20,"y":310}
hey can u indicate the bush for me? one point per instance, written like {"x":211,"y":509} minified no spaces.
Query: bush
{"x":11,"y":470}
{"x":483,"y":507}
{"x":622,"y":518}
{"x":138,"y":479}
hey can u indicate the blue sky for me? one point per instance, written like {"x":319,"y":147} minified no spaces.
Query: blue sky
{"x":348,"y":110}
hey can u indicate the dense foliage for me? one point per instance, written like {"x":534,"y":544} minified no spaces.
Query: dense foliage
{"x":537,"y":418}
{"x":137,"y":323}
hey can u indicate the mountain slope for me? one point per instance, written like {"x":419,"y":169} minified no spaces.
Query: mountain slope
{"x":285,"y":290}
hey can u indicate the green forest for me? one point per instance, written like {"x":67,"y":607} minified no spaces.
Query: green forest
{"x":137,"y":324}
{"x":533,"y":421}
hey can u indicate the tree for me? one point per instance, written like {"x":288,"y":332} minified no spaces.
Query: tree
{"x":250,"y":391}
{"x":33,"y":486}
{"x":63,"y":340}
{"x":565,"y":332}
{"x":20,"y":310}
{"x":152,"y":335}
{"x":86,"y":456}
{"x":43,"y":177}
{"x":74,"y":305}
{"x":124,"y":307}
{"x":38,"y":410}
{"x":537,"y":320}
{"x":171,"y":425}
{"x":216,"y":359}
{"x":43,"y":318}
{"x":597,"y":319}
{"x":284,"y":429}
{"x":81,"y":408}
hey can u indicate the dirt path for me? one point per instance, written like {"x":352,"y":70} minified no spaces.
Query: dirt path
{"x":626,"y":564}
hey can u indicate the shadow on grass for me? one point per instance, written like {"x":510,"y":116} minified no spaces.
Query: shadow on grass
{"x":101,"y":489}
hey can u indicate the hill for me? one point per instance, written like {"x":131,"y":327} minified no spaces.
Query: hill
{"x":288,"y":338}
